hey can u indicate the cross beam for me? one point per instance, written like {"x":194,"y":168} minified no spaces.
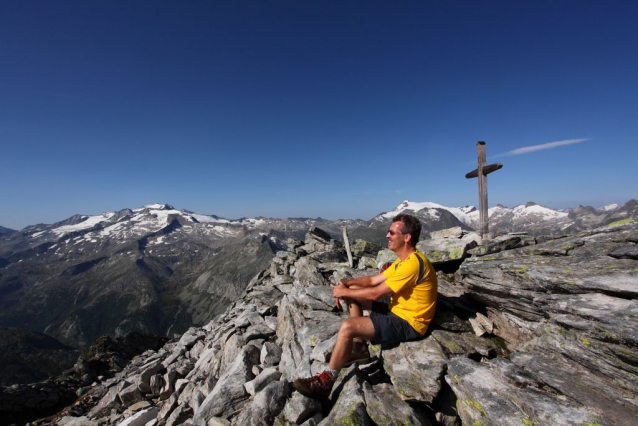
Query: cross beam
{"x":482,"y":172}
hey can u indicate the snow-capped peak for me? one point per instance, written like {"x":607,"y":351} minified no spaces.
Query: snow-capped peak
{"x":155,"y":206}
{"x":610,"y":207}
{"x":537,"y":210}
{"x":464,"y":214}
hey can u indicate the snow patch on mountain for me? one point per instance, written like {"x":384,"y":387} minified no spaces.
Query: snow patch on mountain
{"x":87,"y":223}
{"x":537,"y":210}
{"x":463,"y":213}
{"x":201,"y":218}
{"x":610,"y":207}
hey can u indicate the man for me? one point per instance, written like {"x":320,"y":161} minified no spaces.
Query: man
{"x":410,"y":280}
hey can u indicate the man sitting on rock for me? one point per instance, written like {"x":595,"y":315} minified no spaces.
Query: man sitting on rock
{"x":410,"y":280}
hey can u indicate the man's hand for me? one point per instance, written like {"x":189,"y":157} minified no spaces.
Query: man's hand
{"x":337,"y":293}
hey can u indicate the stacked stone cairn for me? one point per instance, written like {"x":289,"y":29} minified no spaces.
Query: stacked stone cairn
{"x":527,"y":332}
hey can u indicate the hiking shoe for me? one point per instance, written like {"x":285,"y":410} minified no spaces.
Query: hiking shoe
{"x":360,"y":353}
{"x":317,"y":386}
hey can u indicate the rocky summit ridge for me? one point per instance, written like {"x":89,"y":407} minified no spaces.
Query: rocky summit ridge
{"x":528,"y":331}
{"x":157,"y":269}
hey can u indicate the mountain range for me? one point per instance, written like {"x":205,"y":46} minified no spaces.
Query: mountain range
{"x":161,"y":270}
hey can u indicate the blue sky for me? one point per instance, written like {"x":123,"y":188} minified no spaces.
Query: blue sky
{"x":338,"y":109}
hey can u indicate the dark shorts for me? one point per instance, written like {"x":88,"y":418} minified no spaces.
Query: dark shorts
{"x":390,"y":329}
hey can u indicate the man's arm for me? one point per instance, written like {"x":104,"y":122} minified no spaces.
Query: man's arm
{"x":364,"y":288}
{"x":363,"y":282}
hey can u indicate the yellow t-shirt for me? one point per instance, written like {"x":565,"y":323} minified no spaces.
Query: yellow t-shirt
{"x":413,"y":300}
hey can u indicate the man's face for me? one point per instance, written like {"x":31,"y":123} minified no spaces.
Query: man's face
{"x":396,"y":238}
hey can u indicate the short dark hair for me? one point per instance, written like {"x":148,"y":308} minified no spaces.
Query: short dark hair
{"x":410,"y":225}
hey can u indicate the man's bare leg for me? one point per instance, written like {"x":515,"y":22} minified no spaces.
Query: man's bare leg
{"x":355,"y":329}
{"x":361,"y":327}
{"x":356,"y":326}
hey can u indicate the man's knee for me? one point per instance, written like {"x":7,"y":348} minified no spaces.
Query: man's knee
{"x":356,"y":327}
{"x":346,"y":328}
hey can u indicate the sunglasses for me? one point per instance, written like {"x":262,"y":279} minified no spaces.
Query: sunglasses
{"x":393,"y":233}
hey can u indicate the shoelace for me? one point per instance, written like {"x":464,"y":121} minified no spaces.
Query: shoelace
{"x":323,"y":377}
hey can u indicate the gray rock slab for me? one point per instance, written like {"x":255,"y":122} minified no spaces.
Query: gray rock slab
{"x":191,"y":336}
{"x":266,"y":405}
{"x":386,"y":407}
{"x":487,"y":397}
{"x":247,"y":318}
{"x":167,"y":407}
{"x":364,"y":248}
{"x":456,"y":232}
{"x":323,"y":350}
{"x":306,"y":273}
{"x":349,"y":407}
{"x":270,"y":354}
{"x":218,"y":421}
{"x":289,"y":319}
{"x":229,"y":390}
{"x":503,"y":243}
{"x":384,"y":256}
{"x":141,"y":418}
{"x":295,"y":362}
{"x":301,"y":408}
{"x":231,"y":350}
{"x":178,"y":352}
{"x":317,"y":297}
{"x":316,"y":331}
{"x":144,"y":379}
{"x":416,"y":369}
{"x":109,"y":401}
{"x":179,"y":416}
{"x":366,"y":263}
{"x":334,"y":255}
{"x":443,"y":250}
{"x":313,"y":421}
{"x":130,"y":395}
{"x":267,"y":376}
{"x":258,"y":331}
{"x":625,"y":252}
{"x":617,"y":316}
{"x":76,"y":421}
{"x":615,"y":405}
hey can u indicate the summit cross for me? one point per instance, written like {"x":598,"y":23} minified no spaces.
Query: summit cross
{"x":482,"y":172}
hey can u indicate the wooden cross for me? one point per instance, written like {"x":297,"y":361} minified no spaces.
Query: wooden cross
{"x":482,"y":172}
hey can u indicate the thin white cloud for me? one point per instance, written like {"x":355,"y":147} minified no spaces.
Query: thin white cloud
{"x":534,"y":148}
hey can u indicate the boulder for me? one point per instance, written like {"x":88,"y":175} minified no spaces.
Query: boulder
{"x":349,"y":403}
{"x":130,"y":395}
{"x":502,"y":243}
{"x":379,"y":398}
{"x":306,"y":273}
{"x":301,"y":408}
{"x":500,"y":394}
{"x":416,"y":369}
{"x":362,"y":248}
{"x":270,"y":354}
{"x":384,"y":256}
{"x":141,"y":418}
{"x":449,"y":245}
{"x":266,"y":405}
{"x":264,"y":378}
{"x":229,"y":392}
